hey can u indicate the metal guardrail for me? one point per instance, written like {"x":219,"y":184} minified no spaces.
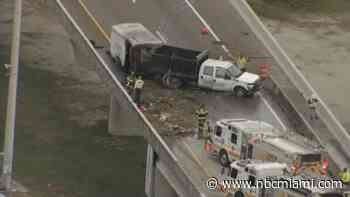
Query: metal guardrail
{"x":151,"y":134}
{"x":335,"y":128}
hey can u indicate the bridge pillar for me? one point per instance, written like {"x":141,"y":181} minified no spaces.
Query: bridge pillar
{"x":156,"y":185}
{"x":122,"y":120}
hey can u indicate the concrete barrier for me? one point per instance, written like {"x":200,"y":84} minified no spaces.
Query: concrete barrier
{"x":296,"y":90}
{"x":125,"y":104}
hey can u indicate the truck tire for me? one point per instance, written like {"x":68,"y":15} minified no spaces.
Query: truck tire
{"x":240,"y":91}
{"x":172,"y":82}
{"x":165,"y":79}
{"x":239,"y":194}
{"x":223,"y":158}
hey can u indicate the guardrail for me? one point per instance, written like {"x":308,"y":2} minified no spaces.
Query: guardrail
{"x":334,"y":127}
{"x":82,"y":43}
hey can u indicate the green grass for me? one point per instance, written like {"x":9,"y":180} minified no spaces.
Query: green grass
{"x":51,"y":149}
{"x":281,"y":9}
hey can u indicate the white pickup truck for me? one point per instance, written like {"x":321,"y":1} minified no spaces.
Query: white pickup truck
{"x":139,"y":50}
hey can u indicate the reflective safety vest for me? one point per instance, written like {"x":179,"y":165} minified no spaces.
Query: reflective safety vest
{"x":130,"y":81}
{"x":139,"y":84}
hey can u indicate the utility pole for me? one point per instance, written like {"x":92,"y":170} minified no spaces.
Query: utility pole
{"x":12,"y":97}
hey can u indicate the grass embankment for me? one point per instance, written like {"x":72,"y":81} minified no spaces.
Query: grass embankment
{"x":281,"y":9}
{"x":56,"y":157}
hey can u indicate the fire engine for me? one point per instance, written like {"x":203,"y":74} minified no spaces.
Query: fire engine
{"x":235,"y":139}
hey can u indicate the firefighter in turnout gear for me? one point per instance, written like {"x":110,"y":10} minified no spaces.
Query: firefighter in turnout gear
{"x":130,"y":81}
{"x":202,"y":115}
{"x":137,"y":90}
{"x":206,"y":132}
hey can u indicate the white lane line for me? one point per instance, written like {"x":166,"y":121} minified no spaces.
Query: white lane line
{"x":217,"y":39}
{"x":272,"y":111}
{"x":227,"y":51}
{"x":195,"y":157}
{"x":161,"y":36}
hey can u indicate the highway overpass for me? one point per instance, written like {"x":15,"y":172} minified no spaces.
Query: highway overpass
{"x":180,"y":161}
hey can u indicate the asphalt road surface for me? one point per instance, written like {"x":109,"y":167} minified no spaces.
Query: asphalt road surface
{"x":179,"y":26}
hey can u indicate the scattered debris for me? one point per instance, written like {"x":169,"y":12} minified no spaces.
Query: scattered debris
{"x":164,"y":116}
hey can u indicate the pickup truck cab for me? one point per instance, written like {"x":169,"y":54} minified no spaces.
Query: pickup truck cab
{"x":225,"y":76}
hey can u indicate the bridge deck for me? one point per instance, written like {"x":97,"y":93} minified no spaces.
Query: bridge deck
{"x":186,"y":34}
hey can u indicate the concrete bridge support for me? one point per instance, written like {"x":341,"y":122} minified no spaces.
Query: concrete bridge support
{"x":156,"y":184}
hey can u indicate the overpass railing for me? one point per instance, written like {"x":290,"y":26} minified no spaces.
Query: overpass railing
{"x":92,"y":57}
{"x":298,"y":99}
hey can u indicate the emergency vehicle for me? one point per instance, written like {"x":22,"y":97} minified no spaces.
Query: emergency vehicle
{"x":250,"y":172}
{"x":235,"y":139}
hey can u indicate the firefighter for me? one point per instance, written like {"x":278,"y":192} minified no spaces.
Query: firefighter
{"x":312,"y":102}
{"x":345,"y":176}
{"x":202,"y":115}
{"x":242,"y":62}
{"x":130,"y":81}
{"x":137,"y":90}
{"x":206,"y":130}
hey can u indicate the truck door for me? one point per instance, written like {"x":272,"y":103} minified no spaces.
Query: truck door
{"x":234,"y":141}
{"x":222,"y":80}
{"x":206,"y":77}
{"x":218,"y":136}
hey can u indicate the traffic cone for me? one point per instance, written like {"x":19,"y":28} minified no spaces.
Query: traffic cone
{"x":207,"y":147}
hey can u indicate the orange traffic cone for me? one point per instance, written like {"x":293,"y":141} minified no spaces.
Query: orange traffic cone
{"x":207,"y":147}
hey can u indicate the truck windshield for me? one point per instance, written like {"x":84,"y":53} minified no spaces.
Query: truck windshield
{"x":234,"y":71}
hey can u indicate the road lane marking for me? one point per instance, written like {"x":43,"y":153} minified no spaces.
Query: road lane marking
{"x":227,"y":51}
{"x":197,"y":160}
{"x":217,"y":39}
{"x":99,"y":27}
{"x":161,"y":36}
{"x":272,"y":111}
{"x":195,"y":157}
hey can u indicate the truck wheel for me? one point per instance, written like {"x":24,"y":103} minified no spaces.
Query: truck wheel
{"x":239,"y":194}
{"x":173,"y":82}
{"x":240,"y":92}
{"x":223,"y":158}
